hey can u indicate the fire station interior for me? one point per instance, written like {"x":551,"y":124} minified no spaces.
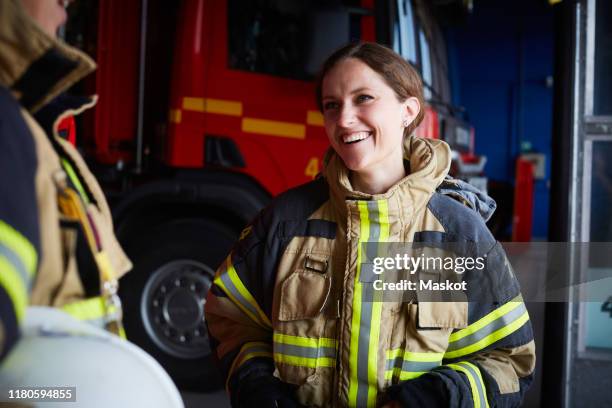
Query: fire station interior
{"x":520,"y":90}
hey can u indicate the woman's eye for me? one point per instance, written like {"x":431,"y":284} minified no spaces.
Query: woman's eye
{"x":330,"y":105}
{"x":363,"y":98}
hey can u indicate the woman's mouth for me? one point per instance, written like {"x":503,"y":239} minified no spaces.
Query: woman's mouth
{"x":355,"y":137}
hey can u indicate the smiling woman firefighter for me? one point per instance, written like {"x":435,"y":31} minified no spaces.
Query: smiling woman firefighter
{"x":290,"y":315}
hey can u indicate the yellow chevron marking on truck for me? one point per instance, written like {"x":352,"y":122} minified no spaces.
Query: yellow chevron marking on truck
{"x":250,"y":125}
{"x":314,"y":118}
{"x":209,"y":105}
{"x":274,"y":128}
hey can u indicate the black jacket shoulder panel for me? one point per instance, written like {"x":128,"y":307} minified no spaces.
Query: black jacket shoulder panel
{"x":18,"y":204}
{"x":300,"y":202}
{"x":18,"y":164}
{"x":458,"y":220}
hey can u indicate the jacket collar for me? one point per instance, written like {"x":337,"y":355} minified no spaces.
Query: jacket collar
{"x":429,"y":163}
{"x":36,"y":67}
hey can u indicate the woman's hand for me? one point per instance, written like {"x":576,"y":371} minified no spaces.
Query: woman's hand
{"x":266,"y":392}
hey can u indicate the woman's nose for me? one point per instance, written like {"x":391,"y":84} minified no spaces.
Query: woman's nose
{"x":346,"y":116}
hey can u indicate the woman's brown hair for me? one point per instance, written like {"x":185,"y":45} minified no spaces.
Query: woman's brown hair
{"x":397,"y":73}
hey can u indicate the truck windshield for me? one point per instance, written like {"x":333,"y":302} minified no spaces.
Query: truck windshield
{"x":283,"y":37}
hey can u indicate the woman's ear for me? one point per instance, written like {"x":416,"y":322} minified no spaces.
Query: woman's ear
{"x":412,"y":107}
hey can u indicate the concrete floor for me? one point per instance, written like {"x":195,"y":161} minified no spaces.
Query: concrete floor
{"x":217,"y":399}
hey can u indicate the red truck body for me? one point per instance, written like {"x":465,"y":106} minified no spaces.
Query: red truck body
{"x":274,"y":121}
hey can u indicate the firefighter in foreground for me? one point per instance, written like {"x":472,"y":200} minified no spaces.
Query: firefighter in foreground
{"x":51,"y":203}
{"x":287,"y":314}
{"x":57,"y":246}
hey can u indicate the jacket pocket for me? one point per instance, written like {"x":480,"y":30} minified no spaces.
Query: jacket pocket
{"x":304,"y":295}
{"x":421,"y":331}
{"x":420,"y":338}
{"x":302,"y":352}
{"x":436,"y":315}
{"x":440,"y":308}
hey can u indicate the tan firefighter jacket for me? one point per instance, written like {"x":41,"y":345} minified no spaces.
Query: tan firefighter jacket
{"x":52,"y":202}
{"x":291,"y":300}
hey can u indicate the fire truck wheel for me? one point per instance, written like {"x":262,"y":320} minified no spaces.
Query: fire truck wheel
{"x":164,"y":296}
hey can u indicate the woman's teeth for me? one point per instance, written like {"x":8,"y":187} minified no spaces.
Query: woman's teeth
{"x":355,"y":137}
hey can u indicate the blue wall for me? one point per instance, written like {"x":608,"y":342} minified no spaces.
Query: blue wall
{"x":499,"y":63}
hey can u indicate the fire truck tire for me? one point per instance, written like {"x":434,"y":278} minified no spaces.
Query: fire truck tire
{"x":165,"y":293}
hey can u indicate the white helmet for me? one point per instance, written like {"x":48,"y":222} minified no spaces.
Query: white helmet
{"x":57,"y":350}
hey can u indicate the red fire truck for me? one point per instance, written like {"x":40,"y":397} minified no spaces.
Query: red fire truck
{"x":207,"y":111}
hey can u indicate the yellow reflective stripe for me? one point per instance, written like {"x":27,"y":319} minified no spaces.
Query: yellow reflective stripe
{"x":415,"y":356}
{"x":383,"y":221}
{"x":304,"y":341}
{"x":304,"y":351}
{"x":20,"y":246}
{"x":490,"y":339}
{"x":75,"y":180}
{"x":252,"y":309}
{"x":18,"y":260}
{"x":233,"y":275}
{"x":471,"y":381}
{"x":252,"y":316}
{"x":484,"y":321}
{"x":409,"y":369}
{"x":305,"y":361}
{"x":364,"y":222}
{"x":364,"y":226}
{"x":403,"y":375}
{"x":393,"y":354}
{"x":88,"y":309}
{"x":14,"y":286}
{"x":327,"y":342}
{"x":480,"y":381}
{"x":410,"y":375}
{"x":97,"y":312}
{"x":248,"y":351}
{"x":476,"y":382}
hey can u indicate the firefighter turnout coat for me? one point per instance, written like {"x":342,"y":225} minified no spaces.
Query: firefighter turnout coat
{"x":291,"y":301}
{"x":50,"y":203}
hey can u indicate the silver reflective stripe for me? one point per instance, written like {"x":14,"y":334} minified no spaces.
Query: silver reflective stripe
{"x":412,"y":366}
{"x":16,"y":261}
{"x":490,"y":328}
{"x":227,"y":281}
{"x":479,"y":385}
{"x":365,"y":323}
{"x":301,"y":351}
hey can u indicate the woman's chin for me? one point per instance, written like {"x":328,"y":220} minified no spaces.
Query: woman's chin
{"x":356,"y":164}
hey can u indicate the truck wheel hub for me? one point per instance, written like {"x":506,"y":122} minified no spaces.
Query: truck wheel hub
{"x":172,"y":308}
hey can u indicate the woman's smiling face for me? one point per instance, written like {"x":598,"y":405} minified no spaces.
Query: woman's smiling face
{"x":363,"y":118}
